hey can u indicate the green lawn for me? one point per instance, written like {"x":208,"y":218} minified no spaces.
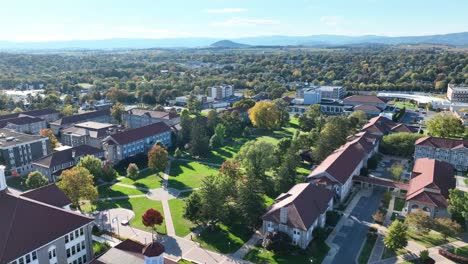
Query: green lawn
{"x":367,"y":249}
{"x":388,"y":253}
{"x":116,"y":190}
{"x":137,"y":205}
{"x":100,"y":248}
{"x":224,"y":239}
{"x":399,"y":204}
{"x":187,"y":175}
{"x":461,"y":251}
{"x":428,"y":240}
{"x":17,"y":183}
{"x":466,"y":181}
{"x":407,"y":105}
{"x":221,"y":154}
{"x":146,"y":179}
{"x":182,"y":226}
{"x":315,"y":253}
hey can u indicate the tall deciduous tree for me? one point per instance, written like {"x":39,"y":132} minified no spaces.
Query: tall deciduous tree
{"x":117,"y":112}
{"x":311,"y":118}
{"x":256,"y":157}
{"x":77,"y":183}
{"x":93,"y":165}
{"x":53,"y":142}
{"x":399,"y":144}
{"x":199,"y":141}
{"x":458,"y":203}
{"x":396,"y":170}
{"x":67,"y":110}
{"x":250,"y":201}
{"x":332,"y":136}
{"x":264,"y":115}
{"x":445,"y":125}
{"x":158,"y":159}
{"x":283,"y":110}
{"x":396,"y":236}
{"x":36,"y":179}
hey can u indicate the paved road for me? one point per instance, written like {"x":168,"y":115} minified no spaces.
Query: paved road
{"x":351,"y":235}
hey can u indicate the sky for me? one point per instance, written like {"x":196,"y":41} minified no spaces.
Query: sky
{"x":52,"y":20}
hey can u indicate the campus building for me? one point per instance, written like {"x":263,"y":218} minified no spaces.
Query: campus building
{"x":47,"y":114}
{"x":298,"y":212}
{"x":220,"y":91}
{"x":332,"y":92}
{"x":369,"y":100}
{"x":101,"y":116}
{"x":36,"y":227}
{"x":24,"y":124}
{"x":336,"y":171}
{"x":130,"y":251}
{"x":19,"y":150}
{"x":134,"y":141}
{"x":87,"y":133}
{"x":457,"y":93}
{"x":451,"y":150}
{"x":137,"y":117}
{"x":52,"y":165}
{"x":429,"y":187}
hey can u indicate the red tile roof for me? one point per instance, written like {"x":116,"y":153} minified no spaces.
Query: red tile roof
{"x":343,"y":161}
{"x":430,"y":174}
{"x":26,"y":224}
{"x":443,"y":143}
{"x":381,"y":182}
{"x":305,"y":202}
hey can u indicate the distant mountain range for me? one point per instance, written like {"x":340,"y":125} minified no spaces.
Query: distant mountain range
{"x":454,"y":39}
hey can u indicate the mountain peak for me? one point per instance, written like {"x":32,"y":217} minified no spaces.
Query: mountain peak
{"x":227,"y":44}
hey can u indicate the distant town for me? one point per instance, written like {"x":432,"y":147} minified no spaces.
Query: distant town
{"x":296,"y":155}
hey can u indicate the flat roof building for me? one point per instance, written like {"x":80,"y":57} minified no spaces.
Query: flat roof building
{"x":457,"y":93}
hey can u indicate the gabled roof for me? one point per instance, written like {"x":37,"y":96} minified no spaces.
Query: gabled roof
{"x":26,"y":224}
{"x":364,"y":99}
{"x":135,"y":134}
{"x":66,"y":156}
{"x":81,"y":117}
{"x":23,"y":120}
{"x":434,"y":178}
{"x":367,"y":108}
{"x":49,"y":194}
{"x":343,"y":161}
{"x":153,"y":113}
{"x":382,"y":125}
{"x":443,"y":143}
{"x":305,"y":202}
{"x":32,"y":113}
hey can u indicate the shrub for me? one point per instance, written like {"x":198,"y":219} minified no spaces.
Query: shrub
{"x":454,"y":257}
{"x":378,"y":217}
{"x":319,"y":233}
{"x":278,"y":242}
{"x":332,"y":218}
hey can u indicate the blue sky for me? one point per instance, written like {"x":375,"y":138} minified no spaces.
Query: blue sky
{"x":47,"y":20}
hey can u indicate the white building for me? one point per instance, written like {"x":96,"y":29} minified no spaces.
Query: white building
{"x":220,"y":91}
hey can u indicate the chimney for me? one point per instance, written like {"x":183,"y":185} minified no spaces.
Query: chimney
{"x":3,"y":184}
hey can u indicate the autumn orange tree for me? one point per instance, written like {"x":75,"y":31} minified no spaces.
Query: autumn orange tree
{"x":158,"y":158}
{"x":53,"y":142}
{"x":264,"y":115}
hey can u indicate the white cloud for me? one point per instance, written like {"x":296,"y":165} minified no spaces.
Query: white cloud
{"x":244,"y":22}
{"x":332,"y":20}
{"x":226,"y":10}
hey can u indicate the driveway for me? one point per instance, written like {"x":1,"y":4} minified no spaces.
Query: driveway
{"x":352,"y":234}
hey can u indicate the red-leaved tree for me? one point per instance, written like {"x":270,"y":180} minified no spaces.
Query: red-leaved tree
{"x":151,"y":218}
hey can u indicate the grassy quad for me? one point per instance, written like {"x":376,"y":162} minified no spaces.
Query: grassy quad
{"x":138,"y":205}
{"x":224,"y":239}
{"x":189,"y":175}
{"x":147,"y":179}
{"x":182,"y":226}
{"x":315,"y":253}
{"x":399,"y":204}
{"x":106,"y":191}
{"x":428,"y":240}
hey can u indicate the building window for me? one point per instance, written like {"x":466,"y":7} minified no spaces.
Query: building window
{"x":28,"y":258}
{"x":34,"y":255}
{"x":81,"y":231}
{"x":82,"y":245}
{"x":68,"y":253}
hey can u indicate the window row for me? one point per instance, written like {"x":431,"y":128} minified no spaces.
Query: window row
{"x":28,"y":258}
{"x":75,"y":249}
{"x":71,"y":236}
